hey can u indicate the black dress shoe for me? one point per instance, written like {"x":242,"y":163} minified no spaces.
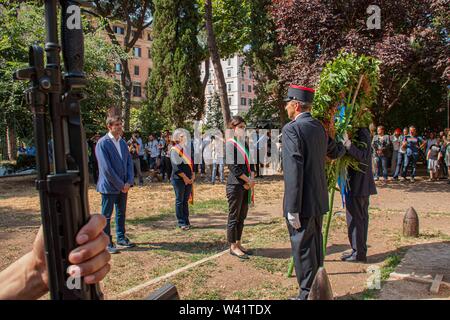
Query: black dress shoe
{"x":353,"y":258}
{"x":247,"y":252}
{"x":243,"y":257}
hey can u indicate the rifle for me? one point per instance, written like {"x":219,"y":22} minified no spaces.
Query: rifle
{"x":62,"y":190}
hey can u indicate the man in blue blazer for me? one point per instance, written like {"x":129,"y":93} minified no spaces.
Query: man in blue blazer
{"x":116,"y":176}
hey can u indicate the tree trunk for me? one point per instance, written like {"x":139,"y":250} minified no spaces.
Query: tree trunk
{"x":127,"y":86}
{"x":11,"y":142}
{"x":202,"y":111}
{"x":215,"y":57}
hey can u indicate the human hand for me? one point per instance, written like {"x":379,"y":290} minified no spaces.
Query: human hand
{"x":126,"y":188}
{"x":89,"y":260}
{"x":294,"y":220}
{"x":346,"y":141}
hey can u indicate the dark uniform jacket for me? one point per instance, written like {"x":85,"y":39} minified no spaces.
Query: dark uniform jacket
{"x":361,"y":183}
{"x":305,"y":148}
{"x":236,"y":164}
{"x":179,"y":165}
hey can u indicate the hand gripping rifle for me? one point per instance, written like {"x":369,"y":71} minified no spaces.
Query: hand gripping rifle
{"x":62,"y":191}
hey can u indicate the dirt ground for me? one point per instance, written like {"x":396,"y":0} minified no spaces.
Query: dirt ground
{"x":162,"y":248}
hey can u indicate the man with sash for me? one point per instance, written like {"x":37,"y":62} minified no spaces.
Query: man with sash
{"x":306,"y":146}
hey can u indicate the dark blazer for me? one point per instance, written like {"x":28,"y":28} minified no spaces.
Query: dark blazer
{"x":179,"y":165}
{"x":362,"y":183}
{"x":305,"y":148}
{"x":236,"y":164}
{"x":114,"y":171}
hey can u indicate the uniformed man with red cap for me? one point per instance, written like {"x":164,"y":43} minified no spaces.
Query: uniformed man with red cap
{"x":305,"y":148}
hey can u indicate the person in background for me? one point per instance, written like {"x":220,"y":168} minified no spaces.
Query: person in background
{"x":141,"y":149}
{"x":31,"y":151}
{"x":443,"y":166}
{"x":380,"y":145}
{"x":166,"y":165}
{"x":433,"y":159}
{"x":401,"y":156}
{"x":115,"y":179}
{"x":412,"y":143}
{"x":446,"y":153}
{"x":161,"y":146}
{"x":92,"y":143}
{"x":134,"y":148}
{"x":431,"y":141}
{"x":217,"y":159}
{"x":152,"y":151}
{"x":396,"y":140}
{"x":182,"y":177}
{"x":22,"y":151}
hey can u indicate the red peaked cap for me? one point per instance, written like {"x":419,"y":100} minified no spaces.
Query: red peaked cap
{"x":300,"y":93}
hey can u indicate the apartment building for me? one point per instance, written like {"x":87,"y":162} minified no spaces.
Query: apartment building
{"x":239,"y":81}
{"x":139,"y":65}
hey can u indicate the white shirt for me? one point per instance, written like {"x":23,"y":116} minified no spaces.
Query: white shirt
{"x":141,"y":146}
{"x":301,"y":114}
{"x":116,"y":143}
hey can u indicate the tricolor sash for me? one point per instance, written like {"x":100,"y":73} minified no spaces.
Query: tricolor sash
{"x":187,"y":159}
{"x":246,"y":155}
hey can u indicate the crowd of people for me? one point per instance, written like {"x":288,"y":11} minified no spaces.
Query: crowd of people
{"x":397,"y":154}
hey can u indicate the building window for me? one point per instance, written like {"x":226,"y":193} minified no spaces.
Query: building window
{"x":229,"y":100}
{"x":149,"y":37}
{"x":229,"y":87}
{"x":119,"y":30}
{"x":250,"y":102}
{"x":242,"y":87}
{"x":136,"y":70}
{"x":229,"y":62}
{"x":210,"y":89}
{"x":137,"y":52}
{"x":118,"y":67}
{"x":137,"y":90}
{"x":229,"y":73}
{"x":243,"y":101}
{"x":249,"y":74}
{"x":243,"y":72}
{"x":249,"y":88}
{"x":149,"y":53}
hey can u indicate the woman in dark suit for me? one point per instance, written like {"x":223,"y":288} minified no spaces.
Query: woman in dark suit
{"x":239,"y":187}
{"x":182,"y":178}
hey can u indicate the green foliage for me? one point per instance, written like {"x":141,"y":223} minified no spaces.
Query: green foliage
{"x":23,"y":25}
{"x":174,"y":87}
{"x":338,"y":83}
{"x":232,"y":24}
{"x":214,"y":119}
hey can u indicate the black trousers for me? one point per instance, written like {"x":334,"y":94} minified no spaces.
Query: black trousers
{"x":238,"y":208}
{"x":358,"y":224}
{"x":307,"y":251}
